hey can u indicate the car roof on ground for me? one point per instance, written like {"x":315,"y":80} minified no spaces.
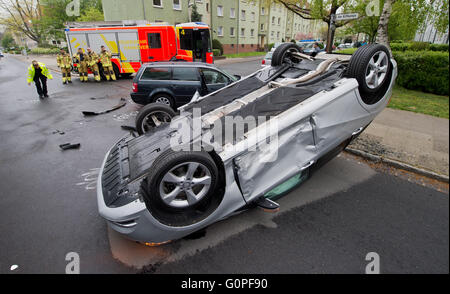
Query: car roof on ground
{"x":180,"y":64}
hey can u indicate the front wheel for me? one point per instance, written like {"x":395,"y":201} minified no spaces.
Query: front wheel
{"x":152,"y":116}
{"x":181,"y":187}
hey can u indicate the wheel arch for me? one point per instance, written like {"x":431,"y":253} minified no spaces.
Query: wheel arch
{"x":159,"y":91}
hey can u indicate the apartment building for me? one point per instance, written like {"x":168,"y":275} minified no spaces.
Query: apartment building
{"x":240,"y":25}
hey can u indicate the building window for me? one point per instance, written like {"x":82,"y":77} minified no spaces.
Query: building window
{"x":278,"y":35}
{"x":220,"y":31}
{"x":232,"y":32}
{"x":252,"y":32}
{"x":243,"y":15}
{"x":157,"y":3}
{"x":207,"y":7}
{"x":273,"y":19}
{"x":232,"y":45}
{"x":253,"y":16}
{"x":177,"y":4}
{"x":263,"y":10}
{"x":272,"y":33}
{"x":232,"y":13}
{"x":219,"y":10}
{"x":242,"y":32}
{"x":279,"y":20}
{"x":262,"y":27}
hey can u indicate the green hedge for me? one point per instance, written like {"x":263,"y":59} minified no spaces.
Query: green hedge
{"x":427,"y":71}
{"x":418,"y":46}
{"x":217,"y":45}
{"x":216,"y":52}
{"x":43,"y":51}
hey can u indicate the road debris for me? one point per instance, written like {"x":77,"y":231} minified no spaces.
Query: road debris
{"x":68,"y":146}
{"x":121,"y":104}
{"x":129,"y":128}
{"x":58,"y":132}
{"x":14,"y":267}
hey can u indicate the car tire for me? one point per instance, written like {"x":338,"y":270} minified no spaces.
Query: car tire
{"x":152,"y":116}
{"x":370,"y":65}
{"x":181,"y":187}
{"x":126,"y":75}
{"x":164,"y":99}
{"x":282,"y":54}
{"x":116,"y":71}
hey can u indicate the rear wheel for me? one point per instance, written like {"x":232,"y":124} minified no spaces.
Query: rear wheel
{"x":370,"y":65}
{"x":164,"y":99}
{"x":152,"y":116}
{"x":283,"y":54}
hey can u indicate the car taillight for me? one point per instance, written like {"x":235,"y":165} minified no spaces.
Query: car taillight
{"x":264,"y":61}
{"x":135,"y":87}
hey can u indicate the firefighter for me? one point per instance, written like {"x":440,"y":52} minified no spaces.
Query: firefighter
{"x":82,"y":61}
{"x":64,"y":63}
{"x":93,"y":63}
{"x":105,"y":59}
{"x":39,"y":73}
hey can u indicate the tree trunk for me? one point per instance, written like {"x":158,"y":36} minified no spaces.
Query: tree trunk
{"x":382,"y":34}
{"x":330,"y":38}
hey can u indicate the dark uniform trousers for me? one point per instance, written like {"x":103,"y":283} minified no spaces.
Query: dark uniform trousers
{"x":41,"y":84}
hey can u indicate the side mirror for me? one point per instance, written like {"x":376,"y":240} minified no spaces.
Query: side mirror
{"x":238,"y":77}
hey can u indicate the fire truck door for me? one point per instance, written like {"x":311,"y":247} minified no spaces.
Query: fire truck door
{"x":156,"y":51}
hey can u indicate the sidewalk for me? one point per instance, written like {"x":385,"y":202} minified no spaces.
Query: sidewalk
{"x":416,"y":139}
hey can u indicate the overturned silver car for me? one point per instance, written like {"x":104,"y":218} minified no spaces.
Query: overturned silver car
{"x":242,"y":146}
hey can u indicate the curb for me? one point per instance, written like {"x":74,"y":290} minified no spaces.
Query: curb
{"x":398,"y":164}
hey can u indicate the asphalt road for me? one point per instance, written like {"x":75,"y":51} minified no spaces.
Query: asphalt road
{"x":327,"y":225}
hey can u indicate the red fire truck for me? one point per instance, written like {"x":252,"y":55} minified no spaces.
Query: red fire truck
{"x":132,"y":44}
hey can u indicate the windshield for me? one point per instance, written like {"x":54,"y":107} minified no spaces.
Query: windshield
{"x":195,"y":39}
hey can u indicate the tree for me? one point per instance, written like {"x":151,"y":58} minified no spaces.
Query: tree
{"x":382,"y":33}
{"x":8,"y":41}
{"x":23,"y":16}
{"x":43,"y":19}
{"x":319,"y":9}
{"x":55,"y":16}
{"x":195,"y":16}
{"x":91,"y":14}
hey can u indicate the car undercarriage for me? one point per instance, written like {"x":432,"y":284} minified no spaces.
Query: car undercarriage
{"x":247,"y":143}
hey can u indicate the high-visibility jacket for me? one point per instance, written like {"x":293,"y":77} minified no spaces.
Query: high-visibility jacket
{"x":32,"y":72}
{"x":92,"y":58}
{"x":64,"y":61}
{"x":105,"y":58}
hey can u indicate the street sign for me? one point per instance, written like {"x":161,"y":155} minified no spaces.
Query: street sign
{"x":346,"y":16}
